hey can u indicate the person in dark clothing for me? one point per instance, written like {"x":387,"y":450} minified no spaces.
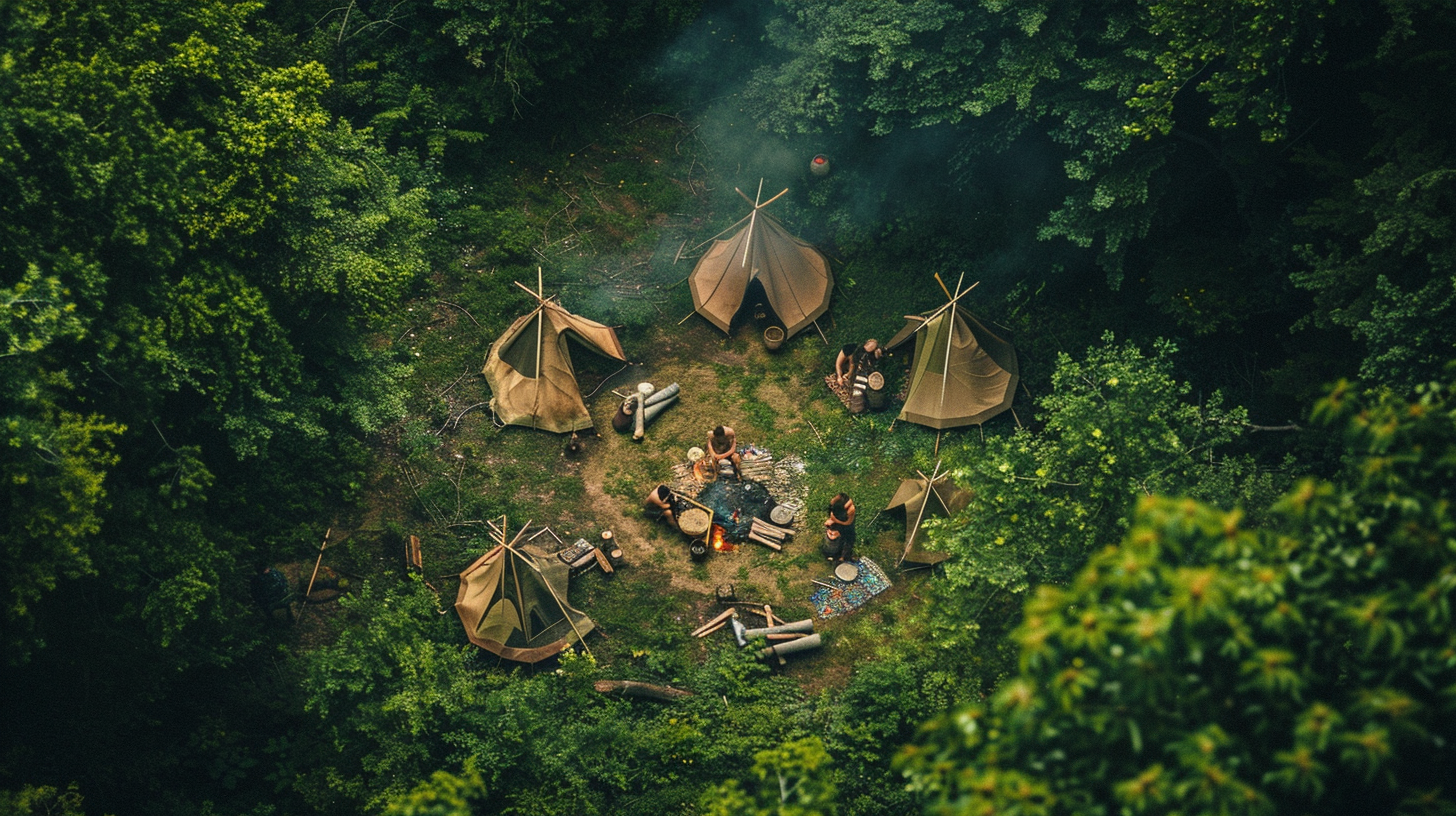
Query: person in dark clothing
{"x":854,"y":360}
{"x":839,"y":529}
{"x":269,"y":588}
{"x":659,"y":505}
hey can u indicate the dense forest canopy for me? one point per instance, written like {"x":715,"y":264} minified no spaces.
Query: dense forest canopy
{"x":252,"y":255}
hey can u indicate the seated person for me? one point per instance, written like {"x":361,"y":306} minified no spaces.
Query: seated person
{"x":659,"y":505}
{"x":723,"y":444}
{"x":854,"y":360}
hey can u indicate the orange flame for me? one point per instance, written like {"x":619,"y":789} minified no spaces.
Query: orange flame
{"x":719,"y":542}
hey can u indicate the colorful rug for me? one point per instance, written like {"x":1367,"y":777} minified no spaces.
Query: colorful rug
{"x":847,"y":597}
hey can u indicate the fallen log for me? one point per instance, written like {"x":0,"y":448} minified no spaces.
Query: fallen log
{"x":632,"y":688}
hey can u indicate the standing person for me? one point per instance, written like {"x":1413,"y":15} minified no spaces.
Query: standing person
{"x":839,"y":529}
{"x":853,"y":360}
{"x":723,"y":444}
{"x":659,"y":505}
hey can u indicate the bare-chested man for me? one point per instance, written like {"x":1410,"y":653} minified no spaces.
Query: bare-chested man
{"x":723,"y":444}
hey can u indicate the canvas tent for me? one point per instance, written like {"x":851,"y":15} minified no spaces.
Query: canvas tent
{"x":962,"y":373}
{"x":512,"y":602}
{"x":922,"y":498}
{"x":794,"y":275}
{"x":529,"y":367}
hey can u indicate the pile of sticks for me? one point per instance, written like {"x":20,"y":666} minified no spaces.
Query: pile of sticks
{"x":769,"y":535}
{"x":721,"y":621}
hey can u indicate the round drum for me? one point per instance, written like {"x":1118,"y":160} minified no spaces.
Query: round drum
{"x":846,"y":572}
{"x":782,"y":515}
{"x":694,"y":521}
{"x":875,"y":396}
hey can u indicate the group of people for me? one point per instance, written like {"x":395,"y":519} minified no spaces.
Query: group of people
{"x":855,"y":361}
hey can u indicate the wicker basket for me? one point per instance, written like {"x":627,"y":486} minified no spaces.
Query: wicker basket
{"x":694,"y":521}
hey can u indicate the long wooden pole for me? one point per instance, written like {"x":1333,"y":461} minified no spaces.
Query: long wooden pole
{"x":752,"y":221}
{"x":316,"y":564}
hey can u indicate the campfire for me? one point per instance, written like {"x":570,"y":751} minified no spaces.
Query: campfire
{"x":719,"y":541}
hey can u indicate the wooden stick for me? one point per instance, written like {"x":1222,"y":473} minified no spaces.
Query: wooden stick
{"x":316,"y":564}
{"x":711,"y":631}
{"x":772,"y":545}
{"x":766,"y":532}
{"x":722,"y":616}
{"x":824,"y":584}
{"x":786,"y":636}
{"x":768,"y":612}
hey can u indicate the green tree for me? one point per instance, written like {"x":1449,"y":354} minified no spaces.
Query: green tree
{"x":1202,"y":665}
{"x":1116,"y":425}
{"x":792,"y":779}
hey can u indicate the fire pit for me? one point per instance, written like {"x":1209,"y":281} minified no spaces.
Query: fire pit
{"x":735,"y":506}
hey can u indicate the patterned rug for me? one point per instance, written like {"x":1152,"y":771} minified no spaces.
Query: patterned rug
{"x":847,"y":597}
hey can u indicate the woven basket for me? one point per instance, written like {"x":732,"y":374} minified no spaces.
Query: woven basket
{"x":694,"y":521}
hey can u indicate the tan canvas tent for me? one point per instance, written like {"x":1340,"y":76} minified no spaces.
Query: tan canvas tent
{"x":962,"y":374}
{"x":512,"y":602}
{"x":922,"y":498}
{"x":529,"y":367}
{"x":794,"y":275}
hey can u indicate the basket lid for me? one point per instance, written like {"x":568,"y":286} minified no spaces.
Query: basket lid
{"x":694,"y":521}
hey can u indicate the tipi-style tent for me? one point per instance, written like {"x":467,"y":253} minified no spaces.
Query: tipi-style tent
{"x":794,"y":275}
{"x":922,"y":498}
{"x":512,"y":602}
{"x":962,"y":374}
{"x":529,"y":366}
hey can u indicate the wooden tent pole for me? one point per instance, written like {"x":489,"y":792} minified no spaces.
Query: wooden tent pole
{"x":775,"y":198}
{"x":752,"y":221}
{"x":821,"y":333}
{"x":942,"y":286}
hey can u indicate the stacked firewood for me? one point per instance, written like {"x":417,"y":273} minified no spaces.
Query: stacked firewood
{"x":769,"y":535}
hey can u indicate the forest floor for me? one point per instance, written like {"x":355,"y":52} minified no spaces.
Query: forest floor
{"x":448,"y":466}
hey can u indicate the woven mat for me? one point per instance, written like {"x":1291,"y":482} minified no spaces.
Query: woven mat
{"x":841,"y":391}
{"x":847,"y":597}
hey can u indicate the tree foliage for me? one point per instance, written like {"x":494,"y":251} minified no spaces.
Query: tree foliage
{"x":1117,"y":425}
{"x":1299,"y":668}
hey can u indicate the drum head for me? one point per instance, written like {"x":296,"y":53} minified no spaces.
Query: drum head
{"x":694,"y":521}
{"x":876,"y":381}
{"x":782,"y":515}
{"x":846,"y":572}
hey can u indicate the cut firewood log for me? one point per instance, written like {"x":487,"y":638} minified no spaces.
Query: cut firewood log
{"x":722,"y":616}
{"x":632,"y":688}
{"x":786,"y":636}
{"x":772,"y":545}
{"x":602,"y":561}
{"x":768,"y":530}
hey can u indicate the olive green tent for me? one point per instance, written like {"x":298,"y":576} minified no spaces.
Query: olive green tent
{"x":512,"y":602}
{"x":962,"y":373}
{"x":795,"y":276}
{"x":922,"y":498}
{"x":529,"y":368}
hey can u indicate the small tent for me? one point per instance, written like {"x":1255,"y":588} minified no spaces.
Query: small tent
{"x":512,"y":602}
{"x":794,"y":275}
{"x":962,"y":373}
{"x":926,"y":497}
{"x":529,"y":367}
